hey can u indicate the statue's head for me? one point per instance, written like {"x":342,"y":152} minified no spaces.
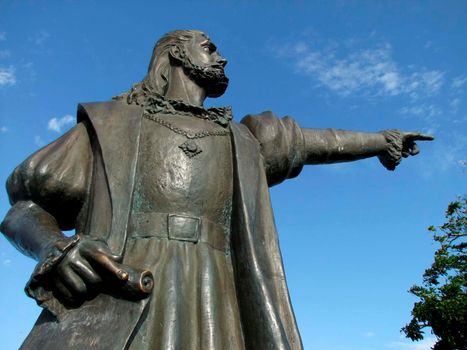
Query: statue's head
{"x":192,"y":50}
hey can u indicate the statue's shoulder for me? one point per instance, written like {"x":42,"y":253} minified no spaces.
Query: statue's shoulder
{"x":262,"y":125}
{"x":111,"y":123}
{"x":108,"y":112}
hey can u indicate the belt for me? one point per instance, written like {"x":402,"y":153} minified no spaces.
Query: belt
{"x":179,"y":227}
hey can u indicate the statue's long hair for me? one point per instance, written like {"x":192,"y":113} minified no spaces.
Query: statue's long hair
{"x":158,"y":76}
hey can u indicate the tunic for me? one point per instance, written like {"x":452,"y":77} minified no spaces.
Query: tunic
{"x":193,"y":304}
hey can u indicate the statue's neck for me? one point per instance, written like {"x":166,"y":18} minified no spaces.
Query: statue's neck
{"x":182,"y":88}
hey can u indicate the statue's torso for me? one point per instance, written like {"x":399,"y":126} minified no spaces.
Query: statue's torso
{"x":194,"y":303}
{"x":170,"y":181}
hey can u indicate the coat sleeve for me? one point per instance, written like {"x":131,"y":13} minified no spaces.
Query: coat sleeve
{"x":286,"y":147}
{"x":56,"y":177}
{"x":282,"y":145}
{"x":48,"y":192}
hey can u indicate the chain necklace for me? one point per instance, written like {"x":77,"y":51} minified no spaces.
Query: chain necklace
{"x":154,"y":103}
{"x":189,"y":147}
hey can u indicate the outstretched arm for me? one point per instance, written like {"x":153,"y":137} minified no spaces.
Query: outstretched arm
{"x":286,"y":147}
{"x":324,"y":146}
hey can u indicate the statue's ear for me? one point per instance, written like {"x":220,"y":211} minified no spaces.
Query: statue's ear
{"x":176,"y":53}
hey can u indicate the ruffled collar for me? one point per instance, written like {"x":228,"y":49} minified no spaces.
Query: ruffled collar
{"x":153,"y":103}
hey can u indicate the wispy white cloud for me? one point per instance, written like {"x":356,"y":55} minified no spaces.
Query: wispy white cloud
{"x":428,"y":113}
{"x":460,"y":120}
{"x":2,"y":36}
{"x":7,"y":76}
{"x":358,"y":72}
{"x":422,"y":83}
{"x":458,"y":82}
{"x":27,"y":70}
{"x":454,"y":104}
{"x":39,"y":141}
{"x":4,"y":54}
{"x":369,"y":71}
{"x":448,"y":154}
{"x":4,"y":259}
{"x":40,"y":37}
{"x":425,"y":344}
{"x":369,"y":334}
{"x":3,"y":129}
{"x":57,"y":124}
{"x":422,"y":110}
{"x":431,"y":113}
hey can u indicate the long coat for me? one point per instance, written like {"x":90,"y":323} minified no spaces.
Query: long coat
{"x":266,"y":151}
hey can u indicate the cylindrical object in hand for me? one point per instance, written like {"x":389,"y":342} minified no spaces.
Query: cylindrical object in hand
{"x":138,"y":285}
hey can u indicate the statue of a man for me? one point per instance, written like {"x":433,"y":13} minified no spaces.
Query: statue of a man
{"x":156,"y":185}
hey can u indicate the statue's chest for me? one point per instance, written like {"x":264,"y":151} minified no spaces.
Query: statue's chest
{"x":184,"y":166}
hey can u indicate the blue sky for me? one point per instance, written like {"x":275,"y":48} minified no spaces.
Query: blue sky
{"x":353,"y":235}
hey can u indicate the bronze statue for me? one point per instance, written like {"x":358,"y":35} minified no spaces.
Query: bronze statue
{"x":175,"y":244}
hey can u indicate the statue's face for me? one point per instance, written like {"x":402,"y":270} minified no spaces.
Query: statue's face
{"x":205,"y":65}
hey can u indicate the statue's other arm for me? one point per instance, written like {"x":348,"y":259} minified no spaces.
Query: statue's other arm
{"x":32,"y":230}
{"x":324,"y":146}
{"x":47,"y":192}
{"x":286,"y":147}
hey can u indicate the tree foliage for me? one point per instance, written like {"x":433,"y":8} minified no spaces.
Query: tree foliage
{"x":443,"y":293}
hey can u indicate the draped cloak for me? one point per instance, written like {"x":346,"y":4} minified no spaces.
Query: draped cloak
{"x":266,"y":150}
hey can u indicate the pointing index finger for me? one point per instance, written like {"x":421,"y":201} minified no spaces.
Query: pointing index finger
{"x":424,"y":137}
{"x":417,"y":136}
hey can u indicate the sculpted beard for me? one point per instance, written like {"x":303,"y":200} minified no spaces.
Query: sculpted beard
{"x":211,"y":77}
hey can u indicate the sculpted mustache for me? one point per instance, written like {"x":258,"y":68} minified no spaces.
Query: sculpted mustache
{"x":217,"y":65}
{"x":211,"y":66}
{"x":208,"y":66}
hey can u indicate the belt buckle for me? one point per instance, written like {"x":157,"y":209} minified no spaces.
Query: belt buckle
{"x":184,"y":228}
